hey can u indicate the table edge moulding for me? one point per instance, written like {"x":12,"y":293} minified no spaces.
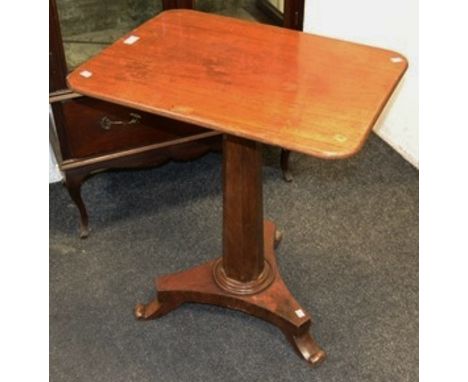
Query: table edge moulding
{"x":316,"y":95}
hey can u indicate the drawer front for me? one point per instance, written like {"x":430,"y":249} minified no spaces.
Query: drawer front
{"x":96,"y":127}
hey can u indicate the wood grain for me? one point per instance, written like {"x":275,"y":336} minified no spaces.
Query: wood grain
{"x":307,"y":93}
{"x":242,"y":209}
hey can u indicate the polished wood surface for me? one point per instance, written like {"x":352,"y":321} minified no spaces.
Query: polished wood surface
{"x":307,"y":93}
{"x":257,"y":84}
{"x":242,"y":209}
{"x":97,"y":128}
{"x":57,"y":64}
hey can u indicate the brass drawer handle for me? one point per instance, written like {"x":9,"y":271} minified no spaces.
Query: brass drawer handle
{"x":106,"y":122}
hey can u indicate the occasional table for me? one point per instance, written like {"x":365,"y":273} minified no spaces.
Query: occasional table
{"x":311,"y":94}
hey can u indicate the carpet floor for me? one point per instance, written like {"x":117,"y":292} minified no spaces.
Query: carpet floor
{"x":349,"y":255}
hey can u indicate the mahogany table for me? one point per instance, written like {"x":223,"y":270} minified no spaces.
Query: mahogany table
{"x":256,"y":84}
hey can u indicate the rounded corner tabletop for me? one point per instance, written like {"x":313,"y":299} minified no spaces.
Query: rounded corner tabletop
{"x":256,"y":84}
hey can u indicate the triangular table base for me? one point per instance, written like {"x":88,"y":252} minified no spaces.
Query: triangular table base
{"x":274,"y":304}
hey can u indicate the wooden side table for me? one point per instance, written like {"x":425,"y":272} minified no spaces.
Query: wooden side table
{"x":325,"y":105}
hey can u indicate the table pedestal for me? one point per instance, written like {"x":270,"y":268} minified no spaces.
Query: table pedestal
{"x":246,"y":277}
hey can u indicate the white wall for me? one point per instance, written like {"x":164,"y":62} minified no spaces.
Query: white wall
{"x":387,"y":24}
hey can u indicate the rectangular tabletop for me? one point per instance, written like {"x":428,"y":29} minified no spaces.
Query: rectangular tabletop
{"x":306,"y":93}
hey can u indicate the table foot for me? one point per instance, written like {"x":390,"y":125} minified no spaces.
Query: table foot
{"x":274,"y":304}
{"x":153,"y":309}
{"x":306,"y":346}
{"x":73,"y":184}
{"x":278,"y":238}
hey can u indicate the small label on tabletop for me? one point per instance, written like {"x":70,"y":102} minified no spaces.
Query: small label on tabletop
{"x":396,"y":59}
{"x":86,"y":74}
{"x":131,"y":40}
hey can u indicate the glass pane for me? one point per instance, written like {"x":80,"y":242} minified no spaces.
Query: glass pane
{"x":278,"y":4}
{"x":88,"y":26}
{"x":263,"y":11}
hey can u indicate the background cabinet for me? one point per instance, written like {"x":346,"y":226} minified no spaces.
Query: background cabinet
{"x":88,"y":135}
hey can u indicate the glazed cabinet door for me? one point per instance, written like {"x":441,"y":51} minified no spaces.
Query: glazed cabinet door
{"x":85,"y":127}
{"x":286,"y":13}
{"x":88,"y":26}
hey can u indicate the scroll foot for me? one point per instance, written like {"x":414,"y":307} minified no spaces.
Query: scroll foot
{"x":308,"y":348}
{"x":278,"y":238}
{"x":153,"y":309}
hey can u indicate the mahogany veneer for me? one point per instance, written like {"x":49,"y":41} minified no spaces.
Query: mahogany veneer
{"x":312,"y":94}
{"x":307,"y":93}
